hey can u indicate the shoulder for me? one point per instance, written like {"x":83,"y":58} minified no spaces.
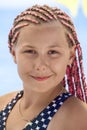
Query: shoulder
{"x":71,"y":116}
{"x":77,"y":112}
{"x":5,"y":99}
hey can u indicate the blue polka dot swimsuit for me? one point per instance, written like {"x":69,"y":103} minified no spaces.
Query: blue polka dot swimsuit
{"x":43,"y":118}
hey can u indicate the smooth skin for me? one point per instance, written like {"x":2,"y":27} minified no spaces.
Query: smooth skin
{"x":42,"y":51}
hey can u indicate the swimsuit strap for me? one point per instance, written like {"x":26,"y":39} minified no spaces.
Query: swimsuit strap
{"x":6,"y":111}
{"x":42,"y":120}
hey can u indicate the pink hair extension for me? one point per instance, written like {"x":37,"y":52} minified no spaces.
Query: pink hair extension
{"x":15,"y":34}
{"x":76,"y":76}
{"x":47,"y":9}
{"x":82,"y":70}
{"x":37,"y":9}
{"x":71,"y":40}
{"x":70,"y":80}
{"x":26,"y":19}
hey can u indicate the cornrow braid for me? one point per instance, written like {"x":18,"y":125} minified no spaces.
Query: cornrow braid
{"x":13,"y":35}
{"x":20,"y":19}
{"x":82,"y":70}
{"x":74,"y":78}
{"x":43,"y":12}
{"x":70,"y":80}
{"x":49,"y":10}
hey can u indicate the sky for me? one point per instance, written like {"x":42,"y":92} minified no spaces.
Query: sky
{"x":9,"y":9}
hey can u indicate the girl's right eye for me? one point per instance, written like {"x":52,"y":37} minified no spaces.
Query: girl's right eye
{"x":30,"y":51}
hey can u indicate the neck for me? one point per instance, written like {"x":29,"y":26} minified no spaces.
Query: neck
{"x":37,"y":99}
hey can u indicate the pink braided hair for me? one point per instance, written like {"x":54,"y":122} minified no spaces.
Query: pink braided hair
{"x":75,"y":78}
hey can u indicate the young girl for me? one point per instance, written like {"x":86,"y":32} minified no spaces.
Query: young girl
{"x":45,"y":47}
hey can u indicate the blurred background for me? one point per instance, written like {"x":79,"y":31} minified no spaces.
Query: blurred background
{"x":9,"y":9}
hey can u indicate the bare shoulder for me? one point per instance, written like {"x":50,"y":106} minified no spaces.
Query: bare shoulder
{"x":77,"y":111}
{"x":77,"y":107}
{"x":71,"y":116}
{"x":74,"y":104}
{"x":5,"y":99}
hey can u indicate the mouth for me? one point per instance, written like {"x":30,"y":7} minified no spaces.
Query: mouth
{"x":41,"y":78}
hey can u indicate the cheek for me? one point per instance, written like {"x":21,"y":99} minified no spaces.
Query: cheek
{"x":59,"y":66}
{"x":24,"y":66}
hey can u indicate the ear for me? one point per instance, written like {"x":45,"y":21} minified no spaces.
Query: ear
{"x":14,"y":55}
{"x":72,"y":54}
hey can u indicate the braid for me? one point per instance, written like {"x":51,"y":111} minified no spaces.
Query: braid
{"x":70,"y":80}
{"x":77,"y":80}
{"x":43,"y":12}
{"x":81,"y":70}
{"x":49,"y":10}
{"x":74,"y":78}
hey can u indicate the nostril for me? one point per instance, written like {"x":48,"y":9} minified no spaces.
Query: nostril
{"x":40,"y":68}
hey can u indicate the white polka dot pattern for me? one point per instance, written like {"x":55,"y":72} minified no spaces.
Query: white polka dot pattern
{"x":42,"y":120}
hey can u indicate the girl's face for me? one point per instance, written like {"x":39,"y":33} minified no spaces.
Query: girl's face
{"x":42,"y":55}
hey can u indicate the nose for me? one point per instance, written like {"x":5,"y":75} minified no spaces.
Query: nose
{"x":41,"y":64}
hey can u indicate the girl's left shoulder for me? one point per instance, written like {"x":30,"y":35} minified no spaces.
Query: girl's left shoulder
{"x":75,"y":104}
{"x":77,"y":113}
{"x":75,"y":108}
{"x":71,"y":116}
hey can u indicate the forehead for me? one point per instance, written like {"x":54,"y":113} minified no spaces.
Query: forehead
{"x":51,"y":26}
{"x":46,"y":33}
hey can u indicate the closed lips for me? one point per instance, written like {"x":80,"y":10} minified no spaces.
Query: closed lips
{"x":41,"y":78}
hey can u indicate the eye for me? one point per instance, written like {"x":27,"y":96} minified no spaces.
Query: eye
{"x":53,"y":52}
{"x":30,"y":51}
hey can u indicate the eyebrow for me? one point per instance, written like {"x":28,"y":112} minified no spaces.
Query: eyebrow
{"x":55,"y":45}
{"x":28,"y":46}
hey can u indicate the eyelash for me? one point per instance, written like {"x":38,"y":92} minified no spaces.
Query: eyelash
{"x":54,"y":52}
{"x":30,"y":51}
